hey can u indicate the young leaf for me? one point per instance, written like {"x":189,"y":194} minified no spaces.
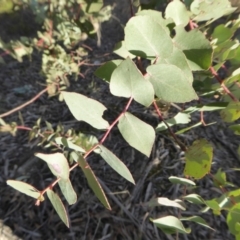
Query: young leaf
{"x":170,"y":83}
{"x":92,"y":180}
{"x":67,"y":143}
{"x":137,"y":133}
{"x":127,"y":81}
{"x":162,"y":201}
{"x":152,"y":38}
{"x":231,"y":112}
{"x":170,"y":225}
{"x":105,"y":71}
{"x":205,"y":10}
{"x":178,"y":12}
{"x":195,"y":46}
{"x":194,"y":198}
{"x":116,"y":163}
{"x":26,"y":189}
{"x":86,"y":109}
{"x":198,"y":220}
{"x":180,"y":118}
{"x":57,"y":163}
{"x":219,"y":179}
{"x":233,"y":219}
{"x":67,"y":191}
{"x":235,"y":128}
{"x":178,"y":180}
{"x":121,"y":50}
{"x":58,"y":206}
{"x":198,"y":159}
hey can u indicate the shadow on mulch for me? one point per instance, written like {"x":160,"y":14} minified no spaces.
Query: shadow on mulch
{"x":129,"y":217}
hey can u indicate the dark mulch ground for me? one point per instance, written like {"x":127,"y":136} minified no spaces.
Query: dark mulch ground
{"x":129,"y":218}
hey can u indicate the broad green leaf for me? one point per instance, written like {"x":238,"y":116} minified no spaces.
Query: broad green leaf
{"x":67,"y":143}
{"x":57,"y":163}
{"x":231,"y":112}
{"x":162,"y":201}
{"x":178,"y":12}
{"x":222,"y":33}
{"x":92,"y":180}
{"x":26,"y":189}
{"x":180,"y":118}
{"x":195,"y":46}
{"x":127,"y":81}
{"x":86,"y":109}
{"x":147,"y":38}
{"x":170,"y":83}
{"x":219,"y":179}
{"x":68,"y":191}
{"x":178,"y":180}
{"x":198,"y":159}
{"x":233,"y":219}
{"x":210,"y":9}
{"x":213,"y":204}
{"x":179,"y":59}
{"x":58,"y":206}
{"x":105,"y":71}
{"x":194,"y":198}
{"x":157,"y":17}
{"x":116,"y":163}
{"x":170,"y":224}
{"x":235,"y":128}
{"x":121,"y":50}
{"x":137,"y":133}
{"x":198,"y":220}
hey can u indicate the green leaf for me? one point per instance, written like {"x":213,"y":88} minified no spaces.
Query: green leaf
{"x":147,"y":38}
{"x":162,"y":201}
{"x":219,"y":179}
{"x":178,"y":12}
{"x":222,"y":33}
{"x":116,"y":163}
{"x":67,"y":191}
{"x":67,"y":143}
{"x":121,"y":50}
{"x":233,"y":219}
{"x":198,"y":159}
{"x":137,"y":133}
{"x":188,"y":128}
{"x":58,"y":206}
{"x":180,"y":118}
{"x":179,"y":59}
{"x":170,"y":83}
{"x":26,"y":189}
{"x":57,"y":163}
{"x":178,"y":180}
{"x":127,"y":81}
{"x":105,"y":71}
{"x":231,"y":112}
{"x":235,"y":128}
{"x":92,"y":180}
{"x":91,"y":6}
{"x":195,"y":46}
{"x":210,"y":9}
{"x":198,"y":220}
{"x":194,"y":198}
{"x":86,"y":109}
{"x":170,"y":224}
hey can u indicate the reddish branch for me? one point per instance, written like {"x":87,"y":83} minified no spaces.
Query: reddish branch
{"x":182,"y":146}
{"x":25,"y":104}
{"x":221,"y":82}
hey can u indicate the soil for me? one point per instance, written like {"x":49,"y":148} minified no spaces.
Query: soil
{"x":129,"y":217}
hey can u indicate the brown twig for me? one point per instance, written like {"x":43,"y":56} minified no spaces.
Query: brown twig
{"x":25,"y":104}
